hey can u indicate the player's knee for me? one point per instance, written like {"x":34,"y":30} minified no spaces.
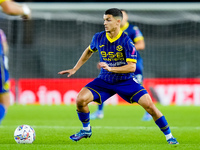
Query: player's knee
{"x":81,"y":100}
{"x":148,"y":105}
{"x":150,"y":109}
{"x":153,"y":111}
{"x":5,"y":99}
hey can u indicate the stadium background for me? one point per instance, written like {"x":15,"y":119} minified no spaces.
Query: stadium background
{"x":58,"y":33}
{"x":38,"y":46}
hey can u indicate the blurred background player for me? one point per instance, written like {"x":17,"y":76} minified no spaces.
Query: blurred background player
{"x":12,"y":8}
{"x":9,"y":7}
{"x":137,"y":37}
{"x":4,"y":83}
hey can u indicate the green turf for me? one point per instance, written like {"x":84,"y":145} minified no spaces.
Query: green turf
{"x":121,"y":128}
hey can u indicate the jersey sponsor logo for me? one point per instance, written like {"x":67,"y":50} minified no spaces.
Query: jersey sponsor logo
{"x":112,"y":56}
{"x":101,"y":46}
{"x":116,"y":64}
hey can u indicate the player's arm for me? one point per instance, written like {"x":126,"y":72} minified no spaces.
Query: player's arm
{"x":5,"y":47}
{"x":4,"y":42}
{"x":12,"y":8}
{"x":138,"y":39}
{"x":140,"y":45}
{"x":130,"y":67}
{"x":84,"y":57}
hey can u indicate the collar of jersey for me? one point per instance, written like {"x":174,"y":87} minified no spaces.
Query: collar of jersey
{"x":125,"y":26}
{"x":115,"y":38}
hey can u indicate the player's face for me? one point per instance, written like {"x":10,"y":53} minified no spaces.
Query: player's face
{"x":110,"y":23}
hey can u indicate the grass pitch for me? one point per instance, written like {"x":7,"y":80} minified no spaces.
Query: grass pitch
{"x":120,"y":129}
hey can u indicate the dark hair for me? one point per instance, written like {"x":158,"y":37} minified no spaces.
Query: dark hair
{"x":114,"y":12}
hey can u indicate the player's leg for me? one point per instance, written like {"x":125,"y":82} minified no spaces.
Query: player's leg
{"x":146,"y":102}
{"x":98,"y":114}
{"x":94,"y":91}
{"x":84,"y":97}
{"x":139,"y":77}
{"x":140,"y":95}
{"x":4,"y":104}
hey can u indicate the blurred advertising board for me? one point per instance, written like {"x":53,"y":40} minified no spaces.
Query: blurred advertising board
{"x":174,"y":91}
{"x":167,"y":91}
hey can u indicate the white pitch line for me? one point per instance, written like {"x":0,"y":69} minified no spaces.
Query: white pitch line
{"x":103,"y":127}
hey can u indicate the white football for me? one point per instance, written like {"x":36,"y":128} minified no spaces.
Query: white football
{"x":24,"y":134}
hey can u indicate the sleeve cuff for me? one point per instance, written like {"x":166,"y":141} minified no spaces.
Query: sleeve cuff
{"x":138,"y":39}
{"x":91,"y":49}
{"x":132,"y":60}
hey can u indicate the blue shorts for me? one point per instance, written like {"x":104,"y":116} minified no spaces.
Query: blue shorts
{"x":129,"y":90}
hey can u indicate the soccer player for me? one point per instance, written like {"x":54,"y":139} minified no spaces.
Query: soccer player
{"x":12,"y":8}
{"x":118,"y":59}
{"x":136,"y":36}
{"x":4,"y":83}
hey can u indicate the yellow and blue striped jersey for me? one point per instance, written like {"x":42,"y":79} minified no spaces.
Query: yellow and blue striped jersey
{"x":115,"y":52}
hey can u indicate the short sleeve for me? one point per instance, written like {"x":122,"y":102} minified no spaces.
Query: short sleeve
{"x":138,"y":34}
{"x":131,"y":54}
{"x":93,"y":46}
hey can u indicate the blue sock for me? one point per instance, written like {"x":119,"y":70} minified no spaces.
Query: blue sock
{"x":100,"y":107}
{"x":163,"y":125}
{"x":2,"y":112}
{"x":84,"y":118}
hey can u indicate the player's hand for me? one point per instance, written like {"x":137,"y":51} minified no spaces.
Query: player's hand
{"x":98,"y":66}
{"x":104,"y":66}
{"x":27,"y":12}
{"x":70,"y":72}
